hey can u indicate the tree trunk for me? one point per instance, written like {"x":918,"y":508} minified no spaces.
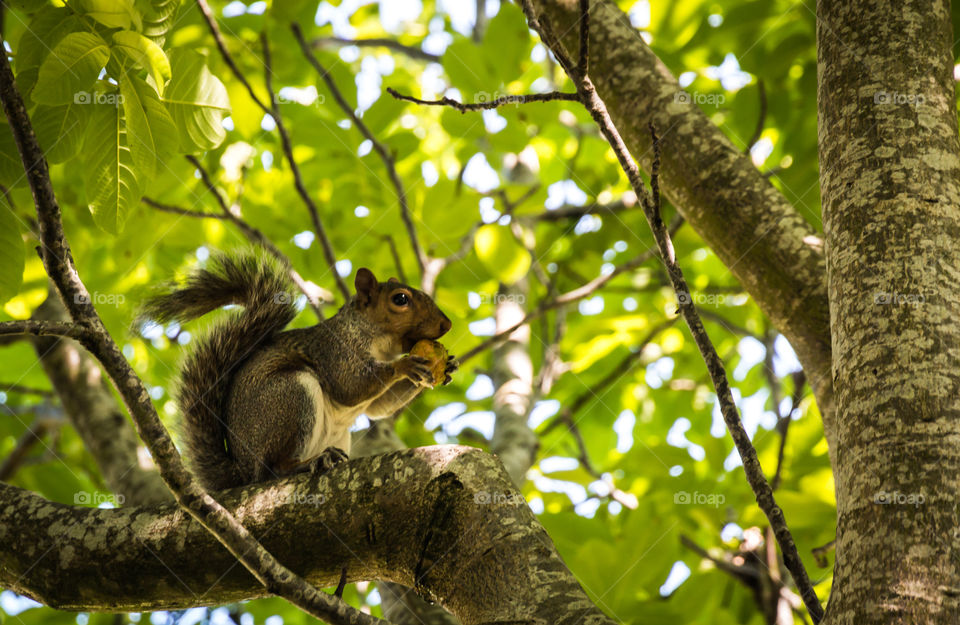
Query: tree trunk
{"x":889,"y":179}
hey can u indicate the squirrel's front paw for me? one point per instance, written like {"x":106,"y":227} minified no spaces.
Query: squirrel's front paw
{"x":416,"y":369}
{"x":328,"y":458}
{"x":452,"y":365}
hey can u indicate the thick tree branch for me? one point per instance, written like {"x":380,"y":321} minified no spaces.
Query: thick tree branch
{"x":445,"y":520}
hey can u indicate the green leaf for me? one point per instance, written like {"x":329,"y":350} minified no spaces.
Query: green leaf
{"x":11,"y":252}
{"x":145,"y":54}
{"x":158,"y":18}
{"x":112,"y":13}
{"x":469,"y":71}
{"x":506,"y":42}
{"x":113,"y":184}
{"x":501,"y":254}
{"x":151,"y":135}
{"x":60,"y":129}
{"x":44,"y":32}
{"x":197,"y":101}
{"x":71,"y":69}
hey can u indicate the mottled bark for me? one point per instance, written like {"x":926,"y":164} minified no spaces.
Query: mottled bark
{"x":889,"y":162}
{"x":418,"y":517}
{"x":401,"y":604}
{"x":512,"y":374}
{"x":93,"y":411}
{"x":759,"y":236}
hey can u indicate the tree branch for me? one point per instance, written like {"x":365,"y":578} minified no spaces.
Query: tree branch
{"x":569,"y":297}
{"x":378,"y":147}
{"x":274,"y":112}
{"x":487,"y":105}
{"x":445,"y":520}
{"x":255,"y":236}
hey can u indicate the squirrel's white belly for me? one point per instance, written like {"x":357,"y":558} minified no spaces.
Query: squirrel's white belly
{"x":331,"y":423}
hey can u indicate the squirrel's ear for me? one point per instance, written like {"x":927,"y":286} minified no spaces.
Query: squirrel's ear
{"x":366,"y":284}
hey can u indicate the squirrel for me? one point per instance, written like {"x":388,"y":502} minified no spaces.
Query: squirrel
{"x":260,"y":402}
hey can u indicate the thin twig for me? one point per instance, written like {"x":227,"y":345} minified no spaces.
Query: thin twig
{"x":377,"y":42}
{"x":34,"y":327}
{"x":820,"y":553}
{"x":486,"y":105}
{"x":177,"y":210}
{"x":783,"y":427}
{"x":618,"y":371}
{"x":318,"y":228}
{"x":569,"y":297}
{"x":254,"y":235}
{"x":576,"y":212}
{"x":273,"y":110}
{"x":25,"y":390}
{"x":401,"y":276}
{"x":13,"y":461}
{"x":227,"y":58}
{"x":741,"y":572}
{"x":379,"y":148}
{"x":651,"y":207}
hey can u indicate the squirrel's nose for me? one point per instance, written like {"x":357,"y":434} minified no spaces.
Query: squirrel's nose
{"x":445,"y":325}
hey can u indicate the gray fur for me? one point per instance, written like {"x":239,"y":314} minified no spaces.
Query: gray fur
{"x":258,"y":402}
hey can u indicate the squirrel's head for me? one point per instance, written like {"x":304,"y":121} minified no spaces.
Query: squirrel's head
{"x":401,"y":310}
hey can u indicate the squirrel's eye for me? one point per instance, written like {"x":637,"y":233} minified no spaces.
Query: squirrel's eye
{"x":400,"y":299}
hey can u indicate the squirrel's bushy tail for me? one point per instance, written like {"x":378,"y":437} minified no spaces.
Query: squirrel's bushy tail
{"x":263,"y":289}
